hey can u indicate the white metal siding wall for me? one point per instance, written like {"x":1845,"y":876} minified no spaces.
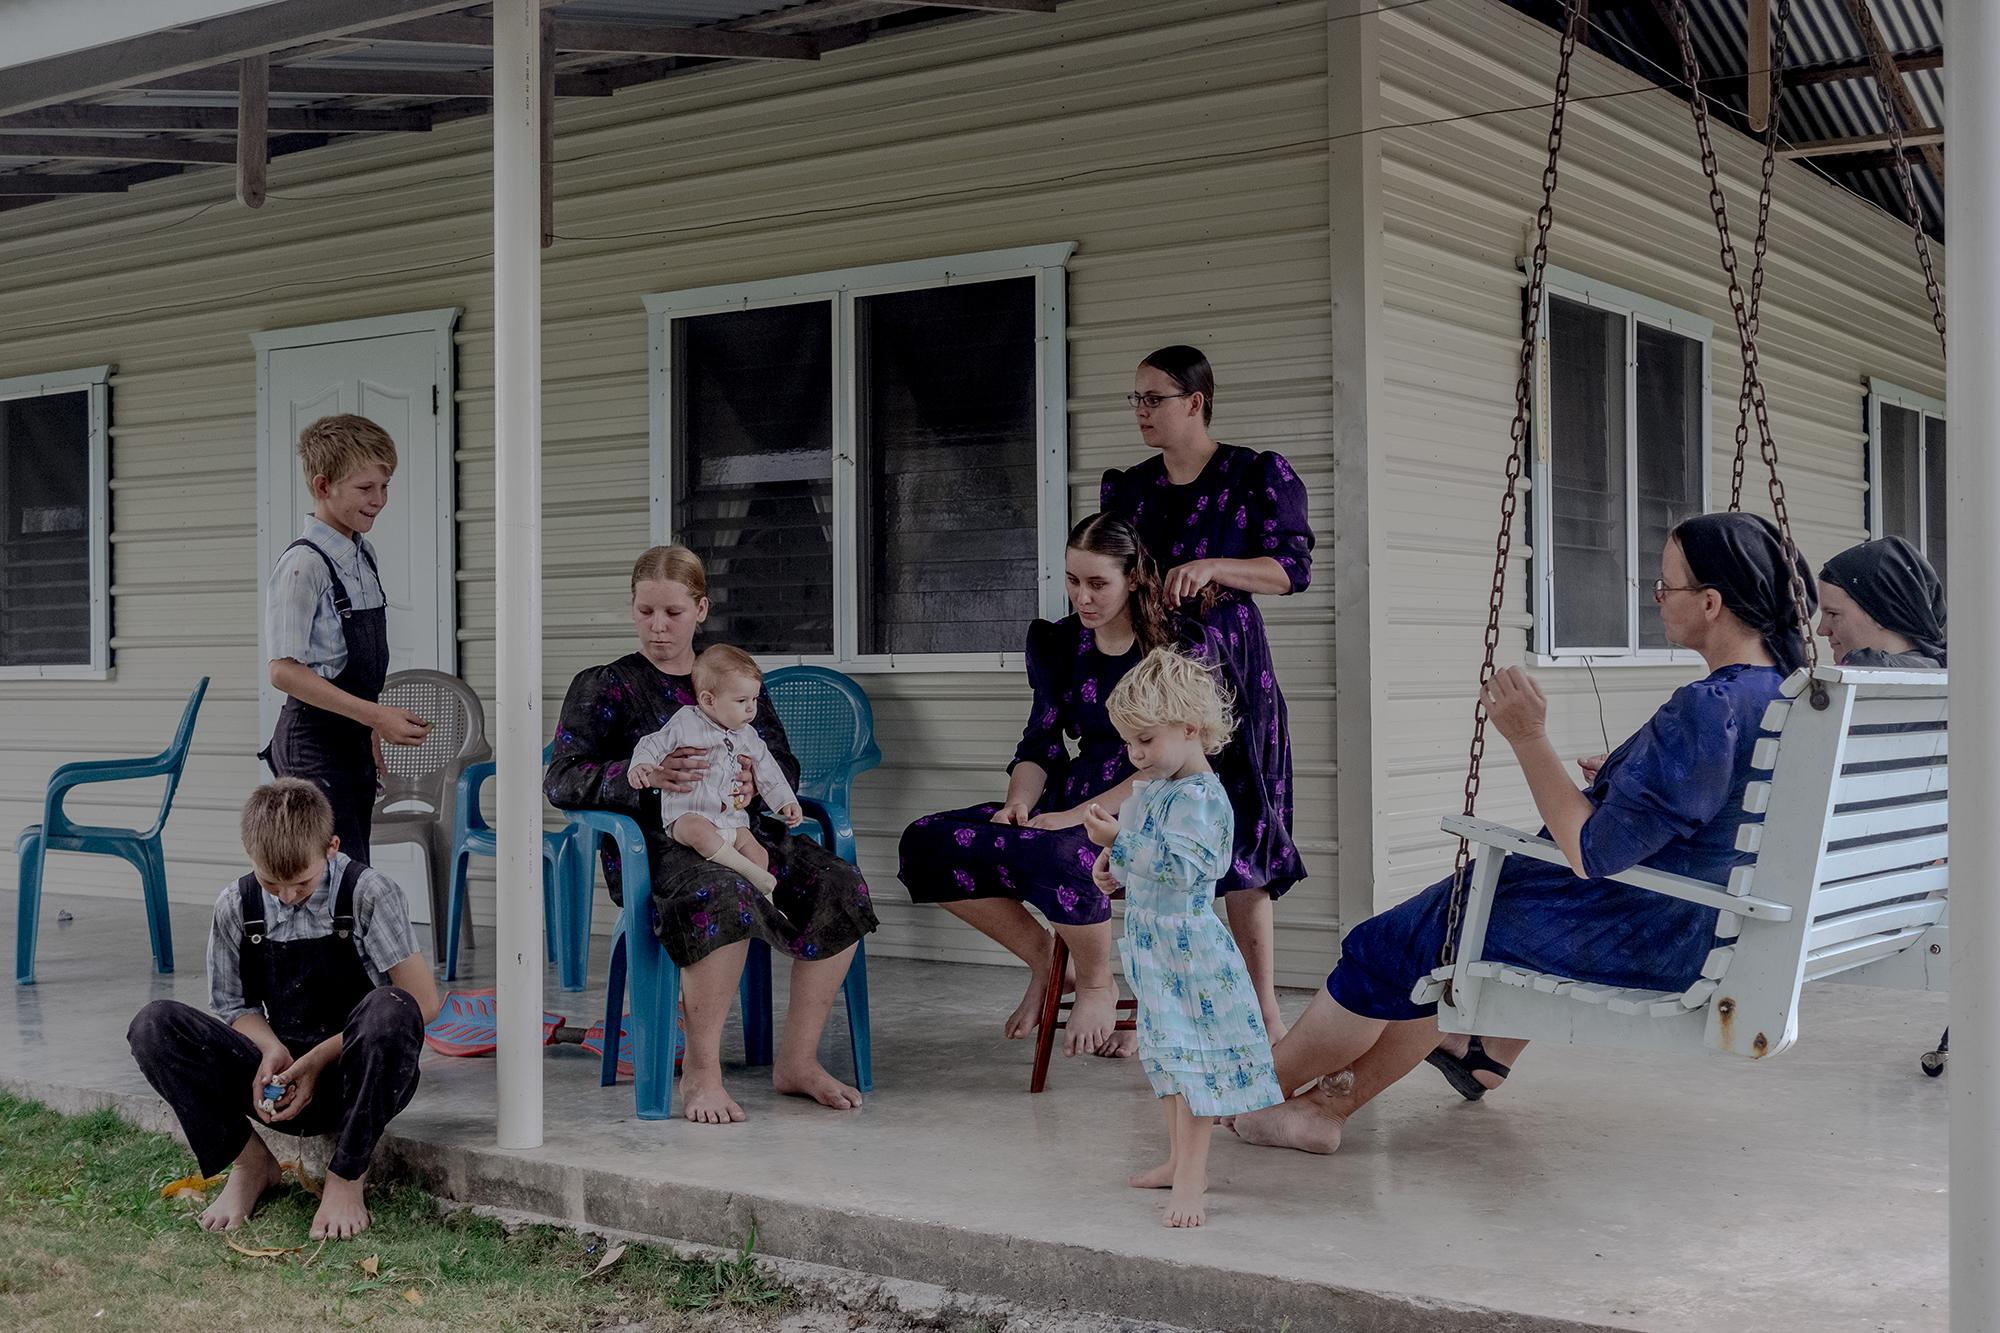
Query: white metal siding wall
{"x":1843,"y":300}
{"x":1180,"y":143}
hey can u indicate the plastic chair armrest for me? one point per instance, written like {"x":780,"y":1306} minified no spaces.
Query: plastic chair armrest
{"x":465,"y":816}
{"x":84,"y":772}
{"x":816,"y":811}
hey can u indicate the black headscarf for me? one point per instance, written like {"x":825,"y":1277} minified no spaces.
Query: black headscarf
{"x":1742,"y":557}
{"x":1896,"y":586}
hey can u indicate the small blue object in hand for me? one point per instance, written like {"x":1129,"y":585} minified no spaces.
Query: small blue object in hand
{"x":274,"y":1092}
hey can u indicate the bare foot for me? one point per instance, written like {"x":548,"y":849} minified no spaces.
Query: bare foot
{"x":1186,"y":1206}
{"x":812,"y":1080}
{"x":1092,"y":1020}
{"x":342,"y":1212}
{"x":254,"y":1173}
{"x":1308,"y":1123}
{"x":1159,"y":1178}
{"x":1027,"y":1015}
{"x":1121,"y":1045}
{"x":707,"y":1103}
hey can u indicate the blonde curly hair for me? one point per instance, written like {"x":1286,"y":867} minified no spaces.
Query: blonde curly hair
{"x":1169,"y":688}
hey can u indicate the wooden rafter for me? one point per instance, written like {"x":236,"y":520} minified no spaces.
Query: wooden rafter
{"x":1891,"y":79}
{"x":161,"y":149}
{"x":24,"y":183}
{"x":621,"y":39}
{"x":79,"y":116}
{"x":194,"y":46}
{"x":1910,"y":62}
{"x":1759,"y":65}
{"x":1925,"y":138}
{"x":371,"y":83}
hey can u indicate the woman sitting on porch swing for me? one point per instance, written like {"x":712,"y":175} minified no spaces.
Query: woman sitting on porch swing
{"x":704,"y":912}
{"x":1671,"y":797}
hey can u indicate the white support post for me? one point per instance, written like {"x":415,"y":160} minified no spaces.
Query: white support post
{"x":517,"y":440}
{"x":1972,"y":37}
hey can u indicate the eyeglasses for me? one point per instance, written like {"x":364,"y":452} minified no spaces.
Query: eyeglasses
{"x":1661,"y":588}
{"x":1151,"y":401}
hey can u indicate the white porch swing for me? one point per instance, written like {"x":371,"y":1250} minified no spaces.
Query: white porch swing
{"x":1851,"y":861}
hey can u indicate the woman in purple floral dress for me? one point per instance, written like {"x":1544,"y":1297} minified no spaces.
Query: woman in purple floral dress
{"x":986,"y":863}
{"x":704,"y":913}
{"x":1226,"y":523}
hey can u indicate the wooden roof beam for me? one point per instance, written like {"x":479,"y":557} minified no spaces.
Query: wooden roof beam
{"x":164,"y":149}
{"x":1924,"y":138}
{"x":1908,"y":62}
{"x":1891,"y":81}
{"x":371,"y":83}
{"x":196,"y":46}
{"x":617,"y":39}
{"x":100,"y":183}
{"x":253,"y":133}
{"x":81,"y":116}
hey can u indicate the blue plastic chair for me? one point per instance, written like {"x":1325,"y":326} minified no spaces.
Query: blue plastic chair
{"x":142,"y":848}
{"x":472,"y":836}
{"x":831,"y":727}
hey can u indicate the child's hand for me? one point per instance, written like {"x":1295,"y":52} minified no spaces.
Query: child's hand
{"x":643,"y":775}
{"x":399,"y":726}
{"x":1101,"y":876}
{"x":1103,"y":828}
{"x":275,"y":1062}
{"x":792,"y":815}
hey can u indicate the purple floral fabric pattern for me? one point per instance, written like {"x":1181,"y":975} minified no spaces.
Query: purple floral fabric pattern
{"x":960,"y":854}
{"x":822,"y":903}
{"x":1245,"y":504}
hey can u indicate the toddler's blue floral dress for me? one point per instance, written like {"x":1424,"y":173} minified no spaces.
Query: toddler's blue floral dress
{"x":1201,"y":1034}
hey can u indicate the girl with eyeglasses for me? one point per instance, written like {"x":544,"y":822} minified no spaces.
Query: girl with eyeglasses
{"x":1227,"y":523}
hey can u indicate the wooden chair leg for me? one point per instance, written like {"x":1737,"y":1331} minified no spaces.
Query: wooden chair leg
{"x":1052,"y":1004}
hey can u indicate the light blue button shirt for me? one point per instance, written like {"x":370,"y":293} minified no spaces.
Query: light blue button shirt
{"x":300,"y":621}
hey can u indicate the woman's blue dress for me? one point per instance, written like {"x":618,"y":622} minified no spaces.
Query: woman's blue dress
{"x":1671,"y":798}
{"x":1201,"y":1033}
{"x":1245,"y":504}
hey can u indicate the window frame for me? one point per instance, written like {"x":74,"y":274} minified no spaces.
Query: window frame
{"x":1635,"y":310}
{"x":94,"y":381}
{"x":839,"y":289}
{"x":1882,"y":391}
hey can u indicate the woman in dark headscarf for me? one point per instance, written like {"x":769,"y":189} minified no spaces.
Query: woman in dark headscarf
{"x":1882,"y":605}
{"x":1671,"y":798}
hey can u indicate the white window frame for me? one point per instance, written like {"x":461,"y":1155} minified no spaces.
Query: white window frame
{"x":839,"y":289}
{"x":95,"y":381}
{"x":1636,"y":310}
{"x":1880,"y":392}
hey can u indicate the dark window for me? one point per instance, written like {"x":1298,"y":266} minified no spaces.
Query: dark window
{"x":1587,"y":469}
{"x":1936,"y":489}
{"x":946,"y":408}
{"x":1669,"y":418}
{"x":45,"y":550}
{"x":753,"y":471}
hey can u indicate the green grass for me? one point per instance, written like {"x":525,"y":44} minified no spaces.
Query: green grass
{"x":86,"y":1242}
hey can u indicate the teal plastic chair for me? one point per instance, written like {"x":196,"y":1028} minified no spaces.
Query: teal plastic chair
{"x":831,"y":727}
{"x":56,"y":833}
{"x":472,"y":836}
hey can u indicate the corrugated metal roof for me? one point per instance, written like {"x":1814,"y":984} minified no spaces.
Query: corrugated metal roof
{"x":1821,"y":33}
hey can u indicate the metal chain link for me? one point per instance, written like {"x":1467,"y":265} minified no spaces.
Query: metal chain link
{"x":1516,"y":460}
{"x":1885,"y":70}
{"x":1763,"y":240}
{"x":1752,"y":376}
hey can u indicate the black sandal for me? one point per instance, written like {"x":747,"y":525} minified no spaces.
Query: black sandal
{"x":1459,"y":1070}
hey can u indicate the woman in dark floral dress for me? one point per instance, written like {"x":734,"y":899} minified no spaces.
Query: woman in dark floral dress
{"x":1226,"y":523}
{"x":985,"y":863}
{"x":705,"y":915}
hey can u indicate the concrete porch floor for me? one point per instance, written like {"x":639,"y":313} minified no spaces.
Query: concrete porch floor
{"x":1599,"y":1190}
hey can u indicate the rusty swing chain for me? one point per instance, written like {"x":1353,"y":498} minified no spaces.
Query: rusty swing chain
{"x":1885,"y":70}
{"x":1752,"y":375}
{"x":1516,"y":460}
{"x":1762,"y":243}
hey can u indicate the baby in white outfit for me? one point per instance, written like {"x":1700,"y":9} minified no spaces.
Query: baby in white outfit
{"x":711,"y":818}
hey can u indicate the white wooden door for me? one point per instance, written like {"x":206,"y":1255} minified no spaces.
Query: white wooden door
{"x":395,"y":382}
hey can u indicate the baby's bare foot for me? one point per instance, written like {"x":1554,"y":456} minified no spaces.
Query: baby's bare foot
{"x":1186,"y":1207}
{"x":1159,"y":1178}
